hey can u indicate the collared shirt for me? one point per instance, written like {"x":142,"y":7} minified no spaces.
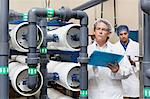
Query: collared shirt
{"x":102,"y":47}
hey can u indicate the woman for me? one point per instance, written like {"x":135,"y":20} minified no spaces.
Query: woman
{"x":105,"y":82}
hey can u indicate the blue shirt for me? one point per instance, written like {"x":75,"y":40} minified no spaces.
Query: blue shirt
{"x":125,"y":45}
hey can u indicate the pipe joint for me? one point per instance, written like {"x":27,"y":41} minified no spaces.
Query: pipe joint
{"x":83,"y":58}
{"x":75,"y":77}
{"x":44,"y":60}
{"x":53,"y":76}
{"x":64,"y":13}
{"x":52,"y":38}
{"x":32,"y":15}
{"x":36,"y":12}
{"x":145,"y":6}
{"x":32,"y":58}
{"x":83,"y":17}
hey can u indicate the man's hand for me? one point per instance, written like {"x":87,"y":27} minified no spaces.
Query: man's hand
{"x":113,"y":67}
{"x":131,"y":61}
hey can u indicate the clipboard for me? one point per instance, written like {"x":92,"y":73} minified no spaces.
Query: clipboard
{"x":99,"y":58}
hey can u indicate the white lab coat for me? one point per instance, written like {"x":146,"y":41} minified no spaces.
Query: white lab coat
{"x":103,"y":84}
{"x":131,"y":84}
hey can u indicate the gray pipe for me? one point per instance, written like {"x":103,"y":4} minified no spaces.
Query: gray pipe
{"x":32,"y":59}
{"x":89,"y":4}
{"x":145,"y":6}
{"x":4,"y":85}
{"x":146,"y":60}
{"x":83,"y":56}
{"x":44,"y":60}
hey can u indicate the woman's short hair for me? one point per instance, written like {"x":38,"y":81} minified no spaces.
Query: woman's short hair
{"x":108,"y":24}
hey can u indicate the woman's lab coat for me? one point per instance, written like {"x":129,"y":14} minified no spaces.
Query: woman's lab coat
{"x":103,"y":84}
{"x":131,"y":84}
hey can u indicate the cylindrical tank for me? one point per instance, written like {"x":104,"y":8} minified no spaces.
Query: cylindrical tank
{"x":18,"y":74}
{"x":65,"y":71}
{"x":68,"y":38}
{"x":18,"y":37}
{"x":19,"y":58}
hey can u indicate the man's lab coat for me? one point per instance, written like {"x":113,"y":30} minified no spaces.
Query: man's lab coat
{"x":103,"y":84}
{"x":131,"y":84}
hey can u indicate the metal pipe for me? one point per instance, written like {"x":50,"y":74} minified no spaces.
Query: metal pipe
{"x":4,"y":50}
{"x":89,"y":4}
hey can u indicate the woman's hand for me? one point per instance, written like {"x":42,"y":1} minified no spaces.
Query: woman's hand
{"x":113,"y":67}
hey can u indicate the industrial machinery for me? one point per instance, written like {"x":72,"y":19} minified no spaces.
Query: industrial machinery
{"x":66,"y":38}
{"x":19,"y":37}
{"x":18,"y":73}
{"x":28,"y":37}
{"x":68,"y":74}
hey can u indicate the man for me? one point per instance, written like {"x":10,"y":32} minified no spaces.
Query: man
{"x":130,"y":48}
{"x":105,"y":82}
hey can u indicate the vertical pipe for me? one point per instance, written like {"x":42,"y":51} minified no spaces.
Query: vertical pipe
{"x":141,"y":49}
{"x":83,"y":70}
{"x":146,"y":59}
{"x":102,"y":10}
{"x":32,"y":59}
{"x":115,"y":16}
{"x":44,"y":59}
{"x":83,"y":56}
{"x":145,"y":6}
{"x":4,"y":12}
